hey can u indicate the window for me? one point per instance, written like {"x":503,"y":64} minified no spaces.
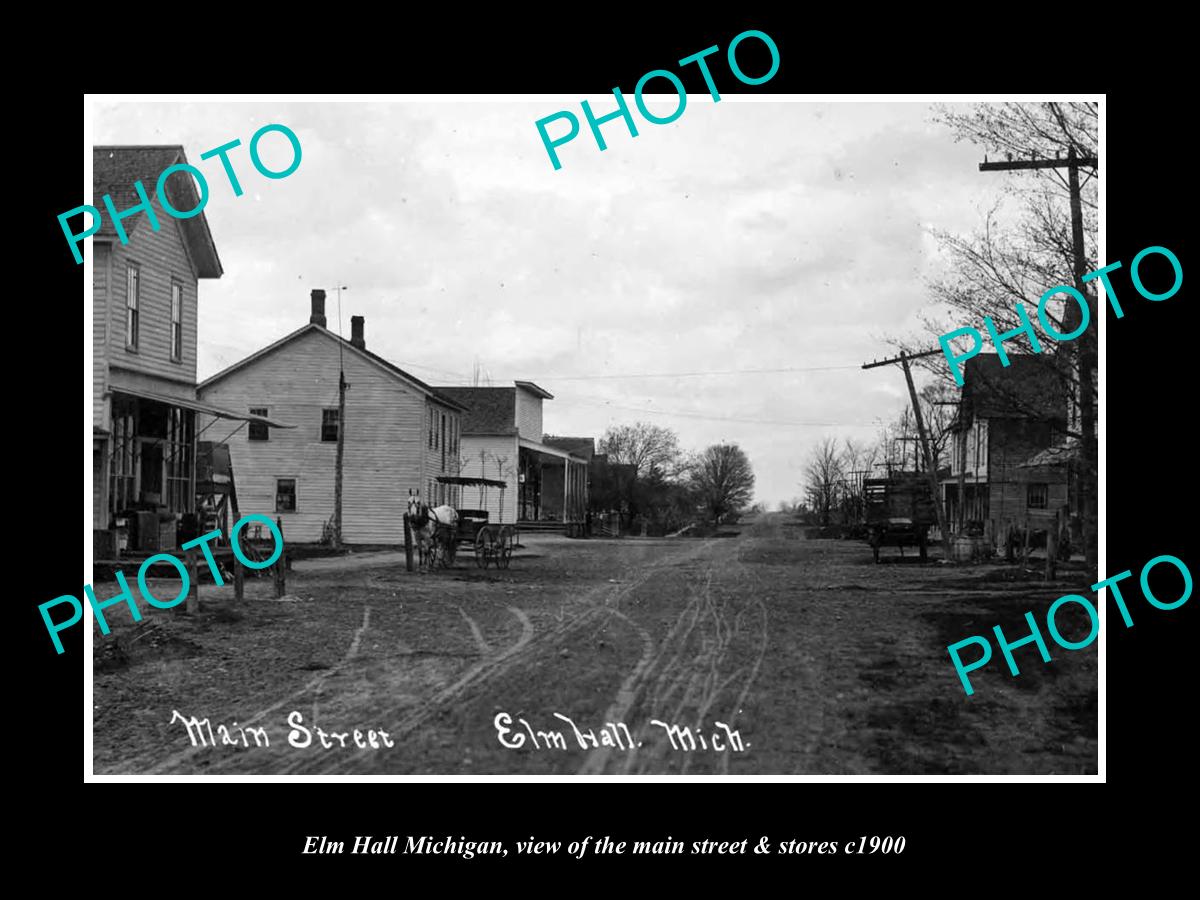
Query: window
{"x":259,"y":430}
{"x":176,"y":321}
{"x":132,"y":287}
{"x":1037,"y":496}
{"x":443,"y":442}
{"x":431,"y":428}
{"x":329,"y":425}
{"x":285,"y":495}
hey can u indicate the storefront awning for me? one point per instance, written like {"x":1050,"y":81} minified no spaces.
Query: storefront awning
{"x":198,"y":406}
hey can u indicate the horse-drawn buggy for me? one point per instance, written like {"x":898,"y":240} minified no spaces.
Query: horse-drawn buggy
{"x":439,"y":531}
{"x":899,"y":511}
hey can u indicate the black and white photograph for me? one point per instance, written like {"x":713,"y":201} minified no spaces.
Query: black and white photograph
{"x":652,"y":435}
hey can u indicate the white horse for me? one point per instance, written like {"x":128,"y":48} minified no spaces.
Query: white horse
{"x":424,"y":521}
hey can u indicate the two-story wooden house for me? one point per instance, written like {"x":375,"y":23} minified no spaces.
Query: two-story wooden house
{"x":502,"y":439}
{"x":400,"y":434}
{"x":1007,"y":469}
{"x":144,"y":316}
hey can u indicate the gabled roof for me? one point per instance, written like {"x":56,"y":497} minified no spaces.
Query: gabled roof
{"x":490,"y":410}
{"x":400,"y":374}
{"x":1030,"y":387}
{"x":114,"y":171}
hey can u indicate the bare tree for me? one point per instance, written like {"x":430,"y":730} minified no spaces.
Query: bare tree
{"x":822,"y":476}
{"x":857,"y":460}
{"x":502,"y":470}
{"x":652,"y":450}
{"x":723,"y":479}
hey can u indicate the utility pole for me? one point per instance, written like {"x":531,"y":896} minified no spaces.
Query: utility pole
{"x":336,"y":538}
{"x":930,"y":465}
{"x":1086,"y":351}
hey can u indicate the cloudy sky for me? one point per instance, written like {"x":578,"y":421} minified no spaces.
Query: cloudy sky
{"x":744,"y":235}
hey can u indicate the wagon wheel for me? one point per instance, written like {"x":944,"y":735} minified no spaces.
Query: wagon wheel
{"x":434,"y":557}
{"x":482,"y":542}
{"x":505,"y":549}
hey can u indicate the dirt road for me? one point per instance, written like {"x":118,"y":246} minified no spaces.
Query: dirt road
{"x":812,"y":658}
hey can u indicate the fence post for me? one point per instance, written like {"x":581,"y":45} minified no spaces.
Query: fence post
{"x":408,"y":544}
{"x":287,"y":559}
{"x":239,"y":579}
{"x":193,"y":598}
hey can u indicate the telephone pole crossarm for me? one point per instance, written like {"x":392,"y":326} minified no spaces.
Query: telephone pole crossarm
{"x":895,"y":359}
{"x":1086,"y":162}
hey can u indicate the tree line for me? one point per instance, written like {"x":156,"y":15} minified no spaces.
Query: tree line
{"x":834,"y":472}
{"x":669,"y":488}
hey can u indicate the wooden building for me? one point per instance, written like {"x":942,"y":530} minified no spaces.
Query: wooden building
{"x":1010,"y":460}
{"x":399,"y":434}
{"x":503,"y":439}
{"x":144,"y":322}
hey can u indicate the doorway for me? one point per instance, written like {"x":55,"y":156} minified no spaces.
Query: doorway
{"x":150,"y":471}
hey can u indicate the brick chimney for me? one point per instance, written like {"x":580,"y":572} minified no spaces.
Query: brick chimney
{"x":318,"y":308}
{"x":356,"y":332}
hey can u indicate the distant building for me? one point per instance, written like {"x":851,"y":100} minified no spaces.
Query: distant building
{"x":610,"y":485}
{"x":502,"y":438}
{"x":1011,"y":461}
{"x":400,"y":434}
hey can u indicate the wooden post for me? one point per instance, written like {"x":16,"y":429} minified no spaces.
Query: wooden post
{"x":193,"y":597}
{"x":1052,"y":548}
{"x":341,"y":448}
{"x":279,"y":569}
{"x":930,"y":462}
{"x":287,"y":559}
{"x":408,"y":544}
{"x":1025,"y":548}
{"x":239,"y":580}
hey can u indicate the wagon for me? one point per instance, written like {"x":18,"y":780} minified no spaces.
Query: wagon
{"x":493,"y":543}
{"x":899,"y":512}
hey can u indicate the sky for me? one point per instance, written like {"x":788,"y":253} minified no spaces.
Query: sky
{"x":742,"y":236}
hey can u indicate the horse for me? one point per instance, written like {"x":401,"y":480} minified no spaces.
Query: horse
{"x":424,"y":521}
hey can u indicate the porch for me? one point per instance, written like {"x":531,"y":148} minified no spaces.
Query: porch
{"x":551,"y":485}
{"x":144,"y":471}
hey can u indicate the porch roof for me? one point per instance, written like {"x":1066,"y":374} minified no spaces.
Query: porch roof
{"x":197,"y":406}
{"x":527,"y":444}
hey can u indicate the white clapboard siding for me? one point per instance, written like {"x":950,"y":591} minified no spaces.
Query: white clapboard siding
{"x":385,"y":440}
{"x":100,"y":350}
{"x":161,"y":256}
{"x":493,"y":446}
{"x":529,"y":415}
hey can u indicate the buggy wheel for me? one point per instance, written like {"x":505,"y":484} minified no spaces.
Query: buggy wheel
{"x":505,"y":548}
{"x":481,"y":548}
